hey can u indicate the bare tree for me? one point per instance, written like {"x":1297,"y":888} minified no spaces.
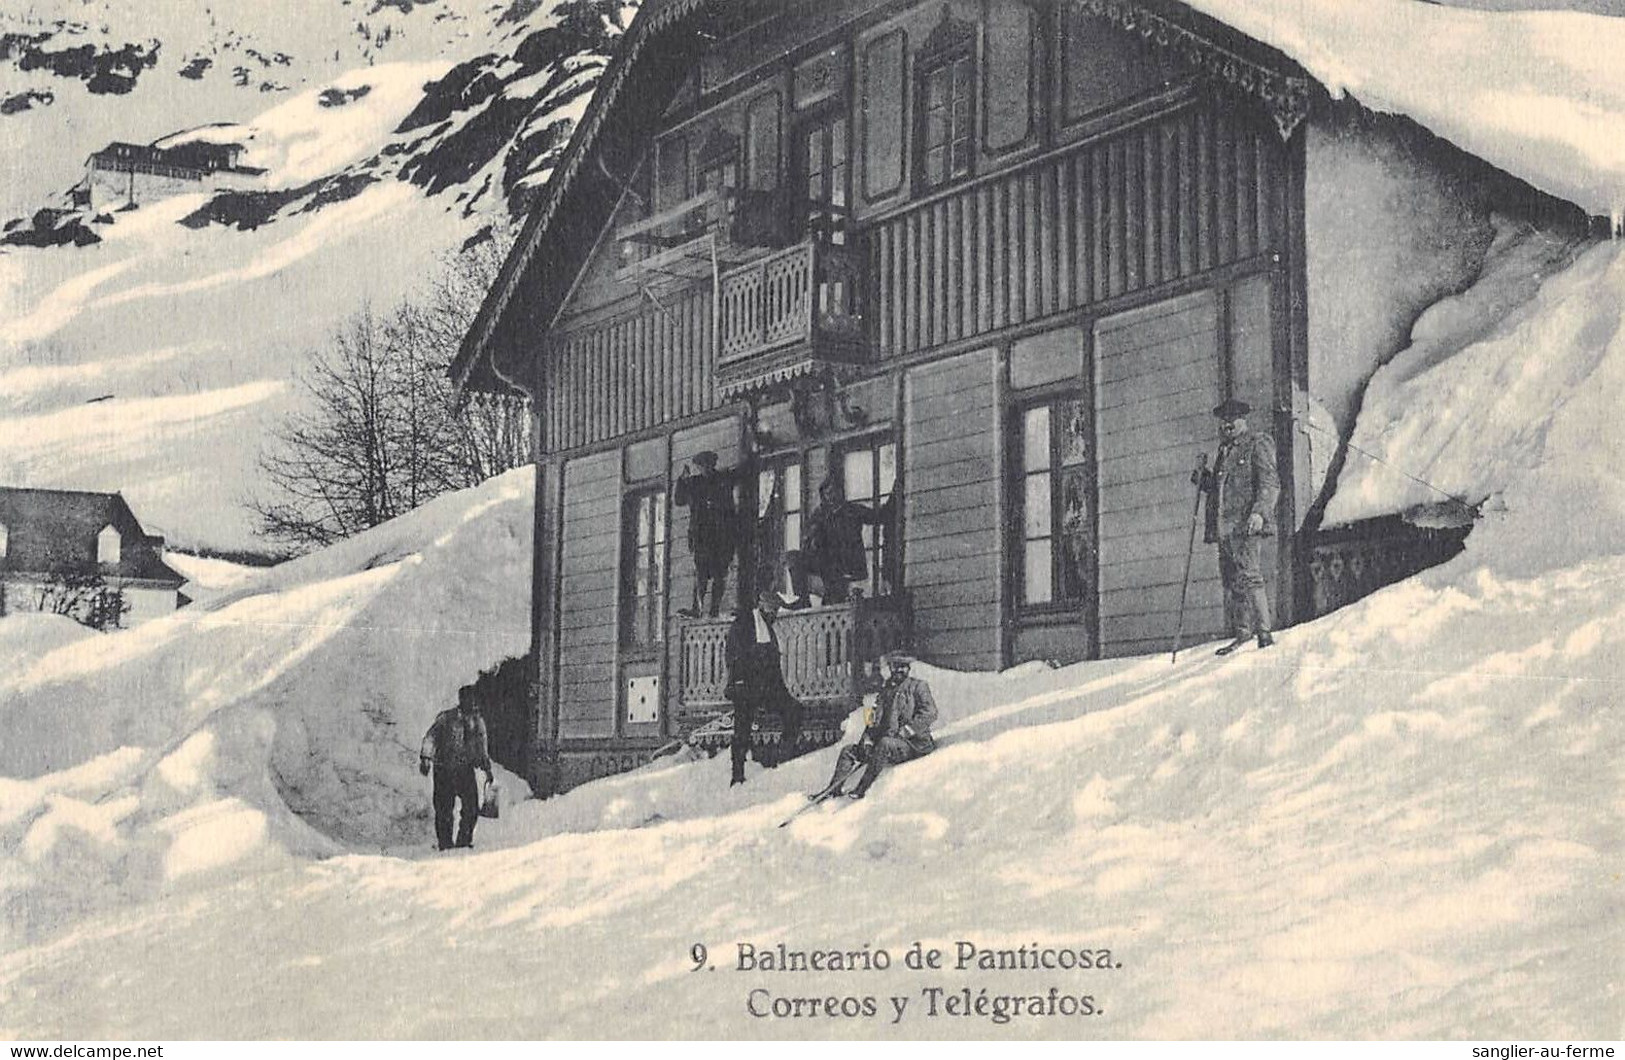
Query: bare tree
{"x":381,"y":430}
{"x":495,"y":427}
{"x":84,"y":597}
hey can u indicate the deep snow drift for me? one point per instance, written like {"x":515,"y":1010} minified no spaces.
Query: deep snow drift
{"x":1406,"y":820}
{"x":187,"y":746}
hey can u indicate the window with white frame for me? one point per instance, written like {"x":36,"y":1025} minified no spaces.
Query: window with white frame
{"x":109,"y":546}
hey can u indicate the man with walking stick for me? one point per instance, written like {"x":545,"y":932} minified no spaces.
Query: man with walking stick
{"x":1241,"y":492}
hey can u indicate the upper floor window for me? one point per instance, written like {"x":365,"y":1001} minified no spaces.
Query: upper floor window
{"x":946,"y":127}
{"x":108,"y":546}
{"x":643,"y":568}
{"x":718,"y":171}
{"x":823,"y":166}
{"x":1055,"y":490}
{"x":671,"y":172}
{"x":718,"y":162}
{"x":4,"y":540}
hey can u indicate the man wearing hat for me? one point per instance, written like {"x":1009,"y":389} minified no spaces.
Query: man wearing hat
{"x":756,"y":683}
{"x":712,"y":527}
{"x":900,"y":730}
{"x":1242,"y":489}
{"x":454,"y":747}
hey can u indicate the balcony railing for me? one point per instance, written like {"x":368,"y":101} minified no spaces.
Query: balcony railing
{"x":790,"y":314}
{"x":1351,"y":563}
{"x":830,"y":657}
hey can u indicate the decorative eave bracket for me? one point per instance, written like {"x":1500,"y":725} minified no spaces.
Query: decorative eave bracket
{"x":1285,"y":97}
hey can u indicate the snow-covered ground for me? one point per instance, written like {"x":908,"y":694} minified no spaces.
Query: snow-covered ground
{"x":1405,"y":820}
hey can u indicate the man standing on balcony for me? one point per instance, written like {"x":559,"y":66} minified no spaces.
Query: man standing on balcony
{"x":1241,"y":493}
{"x":835,"y":553}
{"x":900,"y":730}
{"x":713,"y":527}
{"x":756,"y":681}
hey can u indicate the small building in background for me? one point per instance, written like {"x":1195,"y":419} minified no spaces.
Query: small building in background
{"x":83,"y":554}
{"x":124,"y":173}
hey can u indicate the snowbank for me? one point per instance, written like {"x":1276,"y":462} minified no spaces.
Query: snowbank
{"x":1469,"y":405}
{"x":1401,"y":822}
{"x":1537,"y":93}
{"x":26,"y":638}
{"x":280,"y":719}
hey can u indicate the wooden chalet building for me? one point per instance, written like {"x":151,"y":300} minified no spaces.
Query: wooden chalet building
{"x":1002,"y":256}
{"x":69,"y":546}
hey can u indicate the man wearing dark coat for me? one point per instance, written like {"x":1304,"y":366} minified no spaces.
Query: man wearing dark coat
{"x":756,"y":680}
{"x":905,"y":710}
{"x":835,"y":553}
{"x":713,"y":526}
{"x":455,"y":745}
{"x":1242,"y":489}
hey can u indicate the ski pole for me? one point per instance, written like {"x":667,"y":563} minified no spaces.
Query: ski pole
{"x":1190,"y":553}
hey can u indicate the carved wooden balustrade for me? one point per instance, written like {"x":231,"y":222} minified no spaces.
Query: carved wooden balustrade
{"x":1353,"y":562}
{"x":791,"y":314}
{"x":830,"y":657}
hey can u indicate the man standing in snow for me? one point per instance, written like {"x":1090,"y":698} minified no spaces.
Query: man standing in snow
{"x":905,"y":710}
{"x":1242,"y":489}
{"x":455,"y":745}
{"x":756,"y":680}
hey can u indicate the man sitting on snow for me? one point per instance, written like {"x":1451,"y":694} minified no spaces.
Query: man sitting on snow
{"x":455,"y":745}
{"x":901,"y":729}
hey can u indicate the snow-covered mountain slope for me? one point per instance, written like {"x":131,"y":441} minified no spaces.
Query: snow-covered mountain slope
{"x":154,"y":359}
{"x":1405,"y":820}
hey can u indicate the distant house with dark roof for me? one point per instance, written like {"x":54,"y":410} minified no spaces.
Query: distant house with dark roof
{"x":51,"y":537}
{"x":123,"y":172}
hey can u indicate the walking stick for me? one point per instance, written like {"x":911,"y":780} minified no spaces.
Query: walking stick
{"x":1190,"y":552}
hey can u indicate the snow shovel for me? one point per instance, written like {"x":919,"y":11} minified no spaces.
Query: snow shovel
{"x":1190,"y":552}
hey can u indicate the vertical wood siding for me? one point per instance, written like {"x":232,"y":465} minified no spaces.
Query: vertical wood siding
{"x":635,"y":372}
{"x":589,"y":595}
{"x":1163,"y":201}
{"x":952,"y":541}
{"x":1157,"y":380}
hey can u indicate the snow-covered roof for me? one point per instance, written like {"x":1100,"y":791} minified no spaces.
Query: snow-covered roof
{"x":1541,"y":94}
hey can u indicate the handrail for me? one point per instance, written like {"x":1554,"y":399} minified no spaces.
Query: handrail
{"x":829,"y":653}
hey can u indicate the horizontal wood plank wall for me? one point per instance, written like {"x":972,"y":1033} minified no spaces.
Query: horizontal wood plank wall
{"x":1156,"y":203}
{"x":589,"y":595}
{"x":635,"y":372}
{"x":1158,"y":378}
{"x":951,"y":503}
